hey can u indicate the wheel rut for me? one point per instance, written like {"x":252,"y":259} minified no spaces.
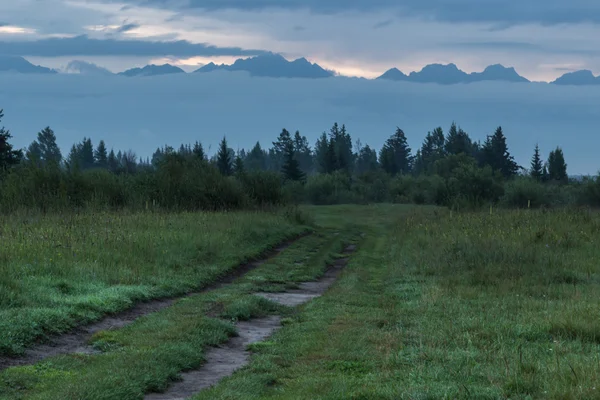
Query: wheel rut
{"x":76,"y":340}
{"x":223,"y":361}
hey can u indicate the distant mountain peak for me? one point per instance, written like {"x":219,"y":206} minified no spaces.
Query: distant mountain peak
{"x":272,"y":65}
{"x":152,"y":70}
{"x":497,"y":72}
{"x":451,"y":74}
{"x":581,"y":77}
{"x":21,"y":65}
{"x":393,"y":74}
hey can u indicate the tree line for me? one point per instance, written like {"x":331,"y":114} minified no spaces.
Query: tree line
{"x":449,"y":168}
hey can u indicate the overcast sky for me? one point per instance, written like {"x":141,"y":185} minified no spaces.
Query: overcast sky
{"x":542,"y":39}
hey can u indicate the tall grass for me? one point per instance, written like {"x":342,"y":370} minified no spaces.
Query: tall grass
{"x":59,"y":270}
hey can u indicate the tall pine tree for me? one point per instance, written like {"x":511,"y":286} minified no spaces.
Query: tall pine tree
{"x":395,"y":155}
{"x":291,"y":167}
{"x":495,"y":154}
{"x":557,"y":167}
{"x":537,"y":166}
{"x":8,"y":156}
{"x":101,"y":155}
{"x":224,"y":159}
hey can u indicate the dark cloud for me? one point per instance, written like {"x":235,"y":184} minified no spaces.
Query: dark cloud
{"x":85,"y":46}
{"x":383,"y":24}
{"x":547,"y":12}
{"x":499,"y":45}
{"x":522,"y":46}
{"x":127,"y":27}
{"x":299,"y":28}
{"x":3,"y":24}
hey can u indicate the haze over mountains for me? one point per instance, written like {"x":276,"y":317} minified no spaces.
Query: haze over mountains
{"x":276,"y":66}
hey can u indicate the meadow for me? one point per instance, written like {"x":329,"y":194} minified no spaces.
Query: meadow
{"x":434,"y":304}
{"x":62,"y":270}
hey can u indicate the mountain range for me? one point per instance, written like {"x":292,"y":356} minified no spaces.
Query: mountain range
{"x":276,"y":66}
{"x":450,"y":74}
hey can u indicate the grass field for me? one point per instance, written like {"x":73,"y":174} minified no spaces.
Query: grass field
{"x":432,"y":305}
{"x":60,"y":271}
{"x":438,"y":306}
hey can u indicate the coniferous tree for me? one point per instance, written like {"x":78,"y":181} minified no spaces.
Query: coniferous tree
{"x":224,"y":159}
{"x":495,"y":154}
{"x":129,"y":162}
{"x":73,"y":161}
{"x":256,"y":160}
{"x":199,"y":151}
{"x":112,"y":162}
{"x":342,"y":144}
{"x":34,"y":153}
{"x":238,"y":166}
{"x":101,"y":155}
{"x":87,"y":153}
{"x":557,"y":167}
{"x":431,"y":150}
{"x":366,"y":160}
{"x":395,"y":155}
{"x":279,"y":148}
{"x":458,"y":141}
{"x":291,"y":167}
{"x":537,"y":166}
{"x":303,"y":152}
{"x":8,"y":156}
{"x":324,"y":155}
{"x":49,"y":152}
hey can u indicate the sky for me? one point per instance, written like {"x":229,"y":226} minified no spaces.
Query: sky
{"x":542,"y":39}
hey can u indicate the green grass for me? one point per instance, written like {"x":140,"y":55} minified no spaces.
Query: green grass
{"x":146,"y":355}
{"x":60,"y":271}
{"x":437,"y":306}
{"x":433,"y":305}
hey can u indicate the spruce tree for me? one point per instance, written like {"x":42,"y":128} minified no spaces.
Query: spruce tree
{"x":495,"y":154}
{"x":366,"y":160}
{"x":303,"y":152}
{"x":395,"y":155}
{"x":458,"y":141}
{"x":199,"y":151}
{"x":8,"y":156}
{"x":101,"y":155}
{"x":537,"y":166}
{"x":256,"y":160}
{"x":74,"y":159}
{"x":34,"y":153}
{"x":87,"y":154}
{"x":238,"y":166}
{"x":224,"y":159}
{"x":323,"y":156}
{"x":279,"y":148}
{"x":113,"y":162}
{"x":557,"y":167}
{"x":291,"y":167}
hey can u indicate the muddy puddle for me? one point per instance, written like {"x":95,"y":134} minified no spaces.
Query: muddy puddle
{"x":76,"y":340}
{"x":224,"y":360}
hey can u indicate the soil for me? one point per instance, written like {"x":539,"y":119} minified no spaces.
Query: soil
{"x":76,"y":340}
{"x":221,"y":361}
{"x":224,"y":360}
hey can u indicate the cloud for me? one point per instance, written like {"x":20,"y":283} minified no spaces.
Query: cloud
{"x":127,"y":27}
{"x":85,"y":46}
{"x":383,"y":24}
{"x":547,"y":12}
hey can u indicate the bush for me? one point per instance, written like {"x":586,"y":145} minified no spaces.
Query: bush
{"x":524,"y":191}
